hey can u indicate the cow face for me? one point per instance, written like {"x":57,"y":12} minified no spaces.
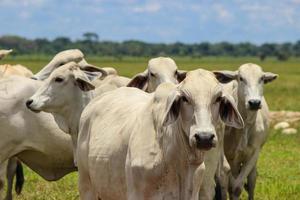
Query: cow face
{"x":160,"y":70}
{"x":197,"y":104}
{"x":251,"y":80}
{"x":61,"y":87}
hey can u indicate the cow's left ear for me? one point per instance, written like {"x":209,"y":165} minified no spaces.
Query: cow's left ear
{"x":173,"y":108}
{"x":269,"y":77}
{"x":82,"y":81}
{"x":229,"y":112}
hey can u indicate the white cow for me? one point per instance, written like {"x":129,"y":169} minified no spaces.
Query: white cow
{"x":27,"y":135}
{"x":160,"y":70}
{"x":242,"y":147}
{"x":35,"y":139}
{"x":14,"y":167}
{"x":65,"y":93}
{"x":168,"y":130}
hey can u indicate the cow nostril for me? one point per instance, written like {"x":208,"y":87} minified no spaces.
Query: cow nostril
{"x":211,"y":137}
{"x":29,"y":102}
{"x":197,"y":137}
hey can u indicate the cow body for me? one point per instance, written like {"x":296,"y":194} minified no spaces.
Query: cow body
{"x":242,"y":147}
{"x":136,"y":130}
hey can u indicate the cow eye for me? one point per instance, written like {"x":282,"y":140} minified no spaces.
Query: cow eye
{"x":241,"y":79}
{"x":58,"y":79}
{"x":151,"y":74}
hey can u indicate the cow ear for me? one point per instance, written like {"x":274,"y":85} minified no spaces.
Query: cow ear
{"x":229,"y":112}
{"x":225,"y":76}
{"x":92,"y":71}
{"x":173,"y":108}
{"x":269,"y":77}
{"x":82,"y":81}
{"x":139,"y":81}
{"x":181,"y":74}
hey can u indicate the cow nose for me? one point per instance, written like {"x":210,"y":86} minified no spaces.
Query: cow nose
{"x":205,"y":141}
{"x":254,"y":104}
{"x":28,"y":103}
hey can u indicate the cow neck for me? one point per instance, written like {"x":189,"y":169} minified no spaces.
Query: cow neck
{"x":181,"y":143}
{"x":73,"y":111}
{"x":183,"y":160}
{"x":249,"y":118}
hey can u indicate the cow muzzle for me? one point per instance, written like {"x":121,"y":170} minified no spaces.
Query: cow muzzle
{"x":205,"y":141}
{"x":254,"y":104}
{"x":29,"y":106}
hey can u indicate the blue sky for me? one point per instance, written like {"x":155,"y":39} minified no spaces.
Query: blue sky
{"x":168,"y":21}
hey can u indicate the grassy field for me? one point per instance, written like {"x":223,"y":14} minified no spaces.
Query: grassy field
{"x":279,"y":163}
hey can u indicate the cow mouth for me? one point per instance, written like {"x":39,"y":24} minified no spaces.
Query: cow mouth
{"x":256,"y":108}
{"x":34,"y":110}
{"x":205,"y":146}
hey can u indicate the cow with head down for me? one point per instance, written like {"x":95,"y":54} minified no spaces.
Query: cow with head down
{"x":242,"y":147}
{"x":160,"y":137}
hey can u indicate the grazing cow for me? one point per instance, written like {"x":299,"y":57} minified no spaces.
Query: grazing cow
{"x":242,"y":147}
{"x":169,"y":130}
{"x":160,"y":70}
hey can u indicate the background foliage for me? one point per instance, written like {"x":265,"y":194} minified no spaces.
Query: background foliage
{"x":91,"y":45}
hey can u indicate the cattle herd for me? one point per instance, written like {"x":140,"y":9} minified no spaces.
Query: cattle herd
{"x":164,"y":134}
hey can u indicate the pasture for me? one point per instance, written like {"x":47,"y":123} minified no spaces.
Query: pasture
{"x":279,"y":164}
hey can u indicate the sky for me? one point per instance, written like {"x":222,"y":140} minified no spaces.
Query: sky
{"x":188,"y":21}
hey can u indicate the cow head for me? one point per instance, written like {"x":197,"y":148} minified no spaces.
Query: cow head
{"x":160,"y":70}
{"x":251,"y":80}
{"x":196,"y":105}
{"x":63,"y":86}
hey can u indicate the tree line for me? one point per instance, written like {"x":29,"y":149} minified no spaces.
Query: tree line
{"x":91,"y":45}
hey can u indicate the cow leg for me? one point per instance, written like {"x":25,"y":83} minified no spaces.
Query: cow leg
{"x":197,"y":181}
{"x":10,"y":174}
{"x":224,"y":180}
{"x":3,"y":166}
{"x":85,"y":187}
{"x":251,"y":182}
{"x":234,"y":172}
{"x":245,"y":171}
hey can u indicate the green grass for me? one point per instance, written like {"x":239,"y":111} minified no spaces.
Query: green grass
{"x":279,"y":162}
